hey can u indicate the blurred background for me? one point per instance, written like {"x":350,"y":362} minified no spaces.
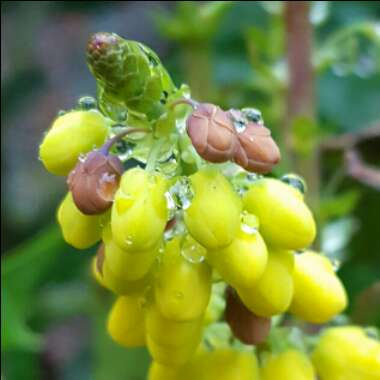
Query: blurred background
{"x":312,"y":68}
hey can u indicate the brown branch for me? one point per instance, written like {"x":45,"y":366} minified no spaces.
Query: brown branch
{"x":354,"y":164}
{"x":362,"y":172}
{"x":299,"y":43}
{"x":348,"y":140}
{"x":300,"y":94}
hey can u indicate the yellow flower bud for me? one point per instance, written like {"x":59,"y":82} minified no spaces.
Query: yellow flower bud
{"x":288,"y":365}
{"x":273,"y":292}
{"x":347,"y":353}
{"x":318,"y":292}
{"x":79,"y":230}
{"x":213,"y":218}
{"x":285,"y":220}
{"x":71,"y":135}
{"x":242,"y":263}
{"x":170,"y":342}
{"x":161,"y":372}
{"x":126,"y":321}
{"x":182,"y":287}
{"x":139,"y":212}
{"x":225,"y":364}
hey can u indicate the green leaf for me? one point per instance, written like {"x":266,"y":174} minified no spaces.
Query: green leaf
{"x":339,"y":205}
{"x":22,"y":270}
{"x":305,"y":133}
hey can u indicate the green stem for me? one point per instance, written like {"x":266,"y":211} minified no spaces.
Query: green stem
{"x":153,"y":155}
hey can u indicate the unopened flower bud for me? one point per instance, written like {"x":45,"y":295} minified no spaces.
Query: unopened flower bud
{"x":212,"y":133}
{"x":256,"y":150}
{"x":94,"y":181}
{"x":246,"y":326}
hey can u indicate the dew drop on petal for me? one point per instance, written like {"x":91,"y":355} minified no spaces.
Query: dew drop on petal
{"x":249,"y":223}
{"x":192,"y":251}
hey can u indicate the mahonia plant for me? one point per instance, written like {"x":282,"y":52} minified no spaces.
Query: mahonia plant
{"x":204,"y":253}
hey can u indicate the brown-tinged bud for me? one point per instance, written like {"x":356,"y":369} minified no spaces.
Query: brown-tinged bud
{"x":246,"y":326}
{"x":256,"y":150}
{"x":94,"y":181}
{"x":212,"y":133}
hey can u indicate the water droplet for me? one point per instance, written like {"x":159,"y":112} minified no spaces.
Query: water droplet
{"x":82,"y":157}
{"x":295,"y":181}
{"x":336,"y":264}
{"x":177,"y":229}
{"x":129,"y":240}
{"x":170,"y":204}
{"x":192,"y":251}
{"x":238,"y":120}
{"x":243,"y":180}
{"x":87,"y":103}
{"x":253,"y":115}
{"x":122,"y":116}
{"x":182,"y":193}
{"x":178,"y":295}
{"x":249,"y":223}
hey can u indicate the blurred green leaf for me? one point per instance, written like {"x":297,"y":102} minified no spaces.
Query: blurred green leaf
{"x":338,"y":205}
{"x":305,"y":134}
{"x":21,"y":271}
{"x":192,"y":21}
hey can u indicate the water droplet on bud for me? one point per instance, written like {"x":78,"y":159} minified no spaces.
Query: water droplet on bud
{"x":87,"y":103}
{"x":182,"y":193}
{"x":170,"y":204}
{"x":295,"y":181}
{"x":192,"y":251}
{"x":129,"y":240}
{"x":249,"y":223}
{"x":178,"y":295}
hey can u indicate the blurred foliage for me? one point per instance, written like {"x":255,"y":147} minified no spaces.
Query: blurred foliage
{"x":232,"y":53}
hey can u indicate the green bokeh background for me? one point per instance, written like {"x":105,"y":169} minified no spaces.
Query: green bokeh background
{"x":52,"y":313}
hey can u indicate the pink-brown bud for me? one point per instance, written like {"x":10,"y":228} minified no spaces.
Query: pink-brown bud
{"x":212,"y":133}
{"x":246,"y":326}
{"x":256,"y":150}
{"x":94,"y":181}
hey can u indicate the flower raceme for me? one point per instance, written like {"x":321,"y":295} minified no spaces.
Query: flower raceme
{"x":168,"y":239}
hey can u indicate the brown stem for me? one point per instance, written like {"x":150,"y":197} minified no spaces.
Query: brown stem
{"x":191,"y":102}
{"x":300,"y":95}
{"x":362,"y":172}
{"x":109,"y":143}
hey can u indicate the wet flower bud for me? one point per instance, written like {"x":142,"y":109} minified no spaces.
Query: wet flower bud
{"x":212,"y":133}
{"x":256,"y":150}
{"x":289,"y":364}
{"x":71,"y":135}
{"x":94,"y":181}
{"x":79,"y":230}
{"x":125,"y":322}
{"x":246,"y":326}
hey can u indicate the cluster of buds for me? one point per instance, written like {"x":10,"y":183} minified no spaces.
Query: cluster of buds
{"x":233,"y":135}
